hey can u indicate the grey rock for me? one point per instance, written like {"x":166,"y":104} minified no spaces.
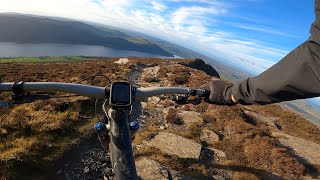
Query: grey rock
{"x":256,"y":119}
{"x":303,"y":148}
{"x":86,"y":170}
{"x":209,"y":136}
{"x":152,"y":170}
{"x":67,"y":176}
{"x":191,"y":117}
{"x":143,"y":105}
{"x":3,"y":132}
{"x":217,"y":177}
{"x":218,"y":153}
{"x":59,"y":172}
{"x":175,"y":145}
{"x":149,"y":169}
{"x":154,"y":99}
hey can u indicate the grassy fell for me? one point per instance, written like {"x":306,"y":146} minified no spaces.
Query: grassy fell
{"x":252,"y":153}
{"x":35,"y":135}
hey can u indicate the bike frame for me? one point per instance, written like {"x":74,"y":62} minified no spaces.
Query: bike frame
{"x":120,"y":144}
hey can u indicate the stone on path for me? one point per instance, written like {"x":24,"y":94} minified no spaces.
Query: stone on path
{"x":259,"y":119}
{"x":152,"y":170}
{"x":122,"y":61}
{"x":217,"y":177}
{"x":191,"y":117}
{"x":151,"y":71}
{"x":175,"y":145}
{"x":305,"y":149}
{"x":218,"y":153}
{"x":209,"y":136}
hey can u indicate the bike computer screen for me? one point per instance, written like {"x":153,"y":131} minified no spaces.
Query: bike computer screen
{"x":120,"y":94}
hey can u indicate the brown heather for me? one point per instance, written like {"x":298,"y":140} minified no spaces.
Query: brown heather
{"x":35,"y":135}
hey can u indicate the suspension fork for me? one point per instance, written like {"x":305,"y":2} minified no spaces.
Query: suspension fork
{"x":121,"y":146}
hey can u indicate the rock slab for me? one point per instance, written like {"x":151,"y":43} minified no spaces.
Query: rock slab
{"x":148,"y":169}
{"x":308,"y":150}
{"x":256,"y":119}
{"x":175,"y":145}
{"x":209,"y":136}
{"x":191,"y":117}
{"x":122,"y":61}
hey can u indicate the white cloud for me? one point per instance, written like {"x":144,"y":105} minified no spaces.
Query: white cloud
{"x":217,"y":3}
{"x":114,"y":3}
{"x":185,"y":25}
{"x":184,"y":14}
{"x":158,"y":6}
{"x":263,"y":30}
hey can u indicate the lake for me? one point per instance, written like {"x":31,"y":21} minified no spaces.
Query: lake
{"x":8,"y":49}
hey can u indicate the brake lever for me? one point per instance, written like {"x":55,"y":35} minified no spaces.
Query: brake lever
{"x":181,"y":100}
{"x":196,"y":101}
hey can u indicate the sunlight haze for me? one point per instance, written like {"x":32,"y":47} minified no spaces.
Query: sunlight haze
{"x":252,"y":35}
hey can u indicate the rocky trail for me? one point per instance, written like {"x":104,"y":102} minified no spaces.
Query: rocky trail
{"x":201,"y":151}
{"x":88,"y":160}
{"x":199,"y":142}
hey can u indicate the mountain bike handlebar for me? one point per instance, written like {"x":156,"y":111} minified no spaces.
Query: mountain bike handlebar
{"x":96,"y":92}
{"x":119,"y":135}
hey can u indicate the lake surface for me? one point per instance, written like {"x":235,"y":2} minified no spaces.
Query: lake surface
{"x":51,"y":49}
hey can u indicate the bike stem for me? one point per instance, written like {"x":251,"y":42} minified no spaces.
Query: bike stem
{"x":121,"y":145}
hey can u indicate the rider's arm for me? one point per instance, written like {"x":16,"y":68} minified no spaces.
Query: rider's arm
{"x":296,"y":76}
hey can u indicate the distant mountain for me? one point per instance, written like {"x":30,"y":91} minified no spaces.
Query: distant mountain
{"x":36,"y":29}
{"x":201,"y":65}
{"x":227,"y":71}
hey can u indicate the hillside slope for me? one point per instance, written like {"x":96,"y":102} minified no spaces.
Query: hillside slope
{"x":31,"y":29}
{"x":189,"y":141}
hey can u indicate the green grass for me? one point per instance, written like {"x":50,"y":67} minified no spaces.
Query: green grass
{"x":138,"y":40}
{"x":45,"y":59}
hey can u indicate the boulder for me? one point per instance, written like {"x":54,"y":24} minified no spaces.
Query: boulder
{"x":149,"y":169}
{"x":256,"y":119}
{"x":175,"y":145}
{"x":201,"y":65}
{"x":143,"y":105}
{"x":303,"y":148}
{"x":3,"y":132}
{"x":218,"y":153}
{"x":154,"y":99}
{"x":122,"y":61}
{"x":151,"y":71}
{"x":191,"y":117}
{"x":217,"y":177}
{"x":209,"y":136}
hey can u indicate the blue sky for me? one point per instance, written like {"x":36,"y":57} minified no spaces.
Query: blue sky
{"x":250,"y":34}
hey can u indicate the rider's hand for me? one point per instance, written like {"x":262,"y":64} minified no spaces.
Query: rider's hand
{"x":220,"y":92}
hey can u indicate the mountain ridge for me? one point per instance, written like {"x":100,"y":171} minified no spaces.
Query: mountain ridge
{"x":37,"y":29}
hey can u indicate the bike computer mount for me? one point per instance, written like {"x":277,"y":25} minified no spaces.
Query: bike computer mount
{"x":121,"y":94}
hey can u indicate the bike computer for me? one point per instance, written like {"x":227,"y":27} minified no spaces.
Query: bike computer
{"x":120,"y":94}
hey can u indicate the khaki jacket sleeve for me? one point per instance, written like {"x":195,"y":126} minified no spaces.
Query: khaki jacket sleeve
{"x":296,"y":76}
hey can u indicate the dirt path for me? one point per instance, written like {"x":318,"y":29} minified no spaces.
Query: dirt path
{"x":88,"y":160}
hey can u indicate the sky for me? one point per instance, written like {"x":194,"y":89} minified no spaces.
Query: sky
{"x":249,"y":34}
